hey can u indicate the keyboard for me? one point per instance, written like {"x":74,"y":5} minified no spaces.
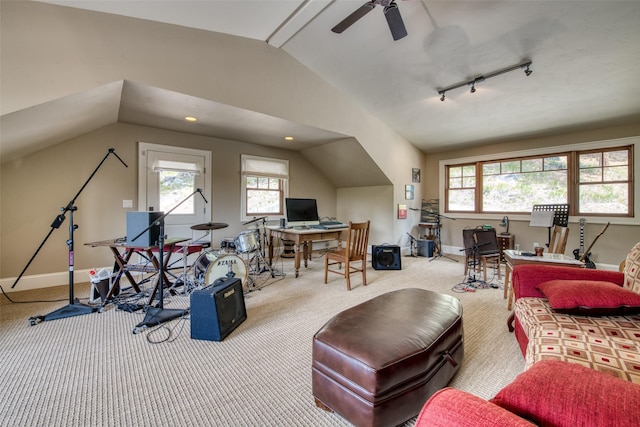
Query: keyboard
{"x":329,"y":225}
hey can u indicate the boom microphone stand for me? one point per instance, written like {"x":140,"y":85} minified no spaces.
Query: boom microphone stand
{"x":158,"y":315}
{"x":74,"y":308}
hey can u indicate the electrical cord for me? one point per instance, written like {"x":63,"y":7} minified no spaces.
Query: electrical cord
{"x":170,"y":336}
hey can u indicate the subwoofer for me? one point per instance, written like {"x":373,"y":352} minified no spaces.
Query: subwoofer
{"x":386,"y":257}
{"x":217,"y":310}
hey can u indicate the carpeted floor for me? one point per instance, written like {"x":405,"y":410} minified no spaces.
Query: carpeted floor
{"x":92,"y":370}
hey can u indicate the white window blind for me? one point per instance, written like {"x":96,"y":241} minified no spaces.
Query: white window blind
{"x":263,"y":166}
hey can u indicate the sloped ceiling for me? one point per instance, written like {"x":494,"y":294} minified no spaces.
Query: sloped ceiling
{"x":585,"y":56}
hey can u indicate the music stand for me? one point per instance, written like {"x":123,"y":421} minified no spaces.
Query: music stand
{"x":155,"y":316}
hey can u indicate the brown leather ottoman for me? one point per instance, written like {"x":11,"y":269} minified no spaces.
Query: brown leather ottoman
{"x":377,"y":363}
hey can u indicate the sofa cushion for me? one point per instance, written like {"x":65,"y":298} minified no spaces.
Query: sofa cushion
{"x":618,"y":357}
{"x":553,"y":393}
{"x":455,"y":408}
{"x":590,"y":297}
{"x":632,"y":270}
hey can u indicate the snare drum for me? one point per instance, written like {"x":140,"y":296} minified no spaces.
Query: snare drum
{"x":247,"y":241}
{"x":226,"y":266}
{"x":202,"y":264}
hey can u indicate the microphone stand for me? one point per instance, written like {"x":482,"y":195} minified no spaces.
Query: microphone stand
{"x":413,"y":243}
{"x":437,"y":242}
{"x":74,"y":308}
{"x":157,"y":315}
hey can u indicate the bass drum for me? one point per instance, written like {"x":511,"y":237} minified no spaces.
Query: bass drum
{"x":247,"y":241}
{"x":202,"y":264}
{"x":227,"y":266}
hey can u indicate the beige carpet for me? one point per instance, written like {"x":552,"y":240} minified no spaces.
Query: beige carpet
{"x":92,"y":370}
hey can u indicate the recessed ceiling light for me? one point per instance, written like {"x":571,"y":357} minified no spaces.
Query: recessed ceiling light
{"x":190,"y":119}
{"x":288,"y":138}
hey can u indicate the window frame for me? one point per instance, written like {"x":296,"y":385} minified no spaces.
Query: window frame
{"x":572,"y":192}
{"x":249,"y":168}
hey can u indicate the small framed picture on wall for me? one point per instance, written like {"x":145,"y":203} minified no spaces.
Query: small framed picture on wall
{"x":415,"y":175}
{"x":402,"y":211}
{"x":408,"y":192}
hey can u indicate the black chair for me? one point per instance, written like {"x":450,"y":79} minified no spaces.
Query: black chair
{"x":481,"y":250}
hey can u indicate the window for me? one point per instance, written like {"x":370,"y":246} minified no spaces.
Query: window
{"x":264,"y":185}
{"x":592,"y":182}
{"x":177,"y":181}
{"x":604,"y":179}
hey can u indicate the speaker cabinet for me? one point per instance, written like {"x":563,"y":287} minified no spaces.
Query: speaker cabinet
{"x":138,"y":221}
{"x":425,"y":248}
{"x":386,"y":257}
{"x":218,"y":310}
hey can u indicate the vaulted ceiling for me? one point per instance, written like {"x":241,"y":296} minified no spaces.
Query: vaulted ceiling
{"x":585,"y":58}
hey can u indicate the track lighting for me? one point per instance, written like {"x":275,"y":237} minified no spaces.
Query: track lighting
{"x":479,"y":79}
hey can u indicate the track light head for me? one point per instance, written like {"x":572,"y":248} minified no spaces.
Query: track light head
{"x":442,"y":97}
{"x":528,"y":71}
{"x":473,"y":87}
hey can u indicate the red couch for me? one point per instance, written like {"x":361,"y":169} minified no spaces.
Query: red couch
{"x":584,"y":316}
{"x":551,"y":393}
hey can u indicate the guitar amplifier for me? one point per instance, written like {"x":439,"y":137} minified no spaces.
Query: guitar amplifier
{"x":386,"y":257}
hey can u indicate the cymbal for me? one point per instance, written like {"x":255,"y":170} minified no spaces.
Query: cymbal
{"x":209,"y":226}
{"x":254,"y":220}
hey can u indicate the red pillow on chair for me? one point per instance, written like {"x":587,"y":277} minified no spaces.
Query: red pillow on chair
{"x":555,"y":393}
{"x":590,"y":297}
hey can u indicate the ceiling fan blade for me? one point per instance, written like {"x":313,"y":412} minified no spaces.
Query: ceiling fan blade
{"x":396,"y":25}
{"x":354,"y":17}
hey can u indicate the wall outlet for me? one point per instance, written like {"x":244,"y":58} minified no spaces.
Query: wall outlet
{"x":127,"y":203}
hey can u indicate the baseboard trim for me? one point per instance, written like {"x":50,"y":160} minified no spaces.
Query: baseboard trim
{"x":40,"y":281}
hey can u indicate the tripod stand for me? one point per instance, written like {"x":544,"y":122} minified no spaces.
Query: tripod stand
{"x":158,"y":315}
{"x":413,"y":245}
{"x":74,"y":308}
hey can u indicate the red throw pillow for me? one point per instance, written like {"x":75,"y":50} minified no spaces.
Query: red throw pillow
{"x":590,"y":297}
{"x":555,"y":393}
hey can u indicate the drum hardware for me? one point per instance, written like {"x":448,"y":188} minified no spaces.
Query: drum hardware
{"x":209,"y":226}
{"x":254,"y":220}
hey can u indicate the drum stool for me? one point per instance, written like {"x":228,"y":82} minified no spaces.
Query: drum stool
{"x":377,"y":363}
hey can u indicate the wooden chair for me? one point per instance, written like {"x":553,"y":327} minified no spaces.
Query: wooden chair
{"x":355,"y":251}
{"x":481,"y":250}
{"x":558,"y":241}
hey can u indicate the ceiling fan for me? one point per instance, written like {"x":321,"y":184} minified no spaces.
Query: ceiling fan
{"x":391,"y":12}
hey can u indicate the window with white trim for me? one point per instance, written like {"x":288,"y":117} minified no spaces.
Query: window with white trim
{"x":264,"y":186}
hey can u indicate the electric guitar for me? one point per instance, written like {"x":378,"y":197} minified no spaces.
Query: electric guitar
{"x":584,"y":255}
{"x":577,"y":253}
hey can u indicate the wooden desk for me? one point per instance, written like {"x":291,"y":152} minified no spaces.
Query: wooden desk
{"x":122,"y":254}
{"x":513,"y":258}
{"x":304,"y":237}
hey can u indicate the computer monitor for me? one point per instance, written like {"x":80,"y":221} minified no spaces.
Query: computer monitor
{"x":301,"y":212}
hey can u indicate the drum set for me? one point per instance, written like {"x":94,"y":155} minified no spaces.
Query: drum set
{"x":242,"y":257}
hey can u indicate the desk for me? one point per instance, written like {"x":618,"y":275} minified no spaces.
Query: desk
{"x":514,"y":258}
{"x":122,"y":254}
{"x":304,"y":237}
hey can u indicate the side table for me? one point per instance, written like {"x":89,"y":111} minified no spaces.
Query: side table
{"x":505,"y":241}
